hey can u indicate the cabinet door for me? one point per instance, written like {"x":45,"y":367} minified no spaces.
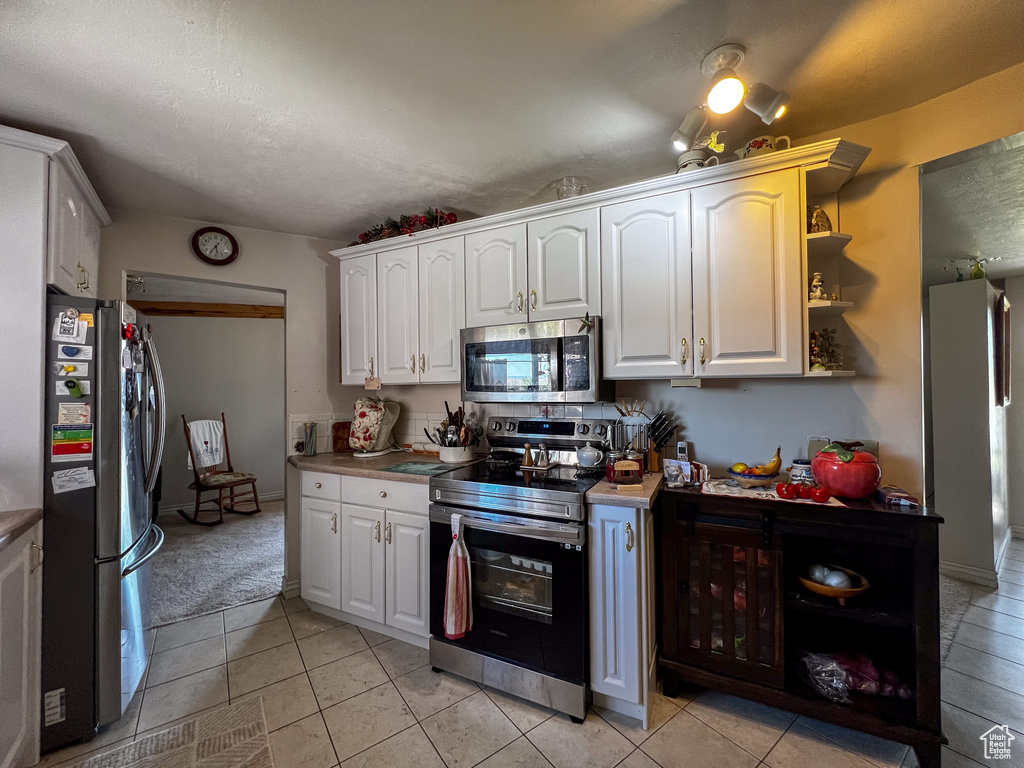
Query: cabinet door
{"x":748,"y":285}
{"x":397,"y":317}
{"x":358,"y":319}
{"x":89,"y":256}
{"x":66,"y":235}
{"x":496,"y":276}
{"x":564,"y":266}
{"x":645,"y":279}
{"x":408,"y":572}
{"x":442,"y":302}
{"x":362,"y":561}
{"x":320,"y":545}
{"x":20,"y":621}
{"x":616,"y":617}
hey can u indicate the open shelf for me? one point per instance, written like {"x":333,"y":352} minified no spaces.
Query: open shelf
{"x":829,"y":374}
{"x":826,"y":243}
{"x":865,"y":609}
{"x":826,"y":307}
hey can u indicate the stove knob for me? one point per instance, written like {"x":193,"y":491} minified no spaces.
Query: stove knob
{"x":496,"y":426}
{"x":600,"y":429}
{"x":583,"y":429}
{"x":510,"y":426}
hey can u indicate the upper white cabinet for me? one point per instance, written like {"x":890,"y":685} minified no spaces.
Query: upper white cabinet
{"x":397,"y":316}
{"x":564,"y":266}
{"x":73,"y":250}
{"x":647,"y":295}
{"x":496,"y":276}
{"x":748,"y":285}
{"x":358,"y":319}
{"x":442,"y":309}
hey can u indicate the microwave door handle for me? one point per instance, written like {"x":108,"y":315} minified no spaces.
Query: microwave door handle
{"x":153,"y":361}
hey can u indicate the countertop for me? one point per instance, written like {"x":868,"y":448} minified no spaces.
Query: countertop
{"x":642,"y":498}
{"x":347,"y":464}
{"x":16,"y":522}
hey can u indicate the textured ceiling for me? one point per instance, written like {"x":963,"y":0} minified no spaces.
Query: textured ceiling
{"x":320,"y":117}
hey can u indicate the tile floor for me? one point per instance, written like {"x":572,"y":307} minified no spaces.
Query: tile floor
{"x":335,"y":694}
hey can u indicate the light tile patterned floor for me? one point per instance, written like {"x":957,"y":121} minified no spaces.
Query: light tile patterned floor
{"x":335,"y":694}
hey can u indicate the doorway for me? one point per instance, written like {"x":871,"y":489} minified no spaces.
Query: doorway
{"x":222,"y":350}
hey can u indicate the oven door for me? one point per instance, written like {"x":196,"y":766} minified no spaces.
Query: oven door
{"x":529,"y":589}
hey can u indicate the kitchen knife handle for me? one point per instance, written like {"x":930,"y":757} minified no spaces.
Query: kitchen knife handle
{"x":685,"y":351}
{"x":702,"y":358}
{"x":533,"y":300}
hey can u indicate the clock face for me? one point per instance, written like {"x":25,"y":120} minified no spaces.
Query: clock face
{"x":214,"y":246}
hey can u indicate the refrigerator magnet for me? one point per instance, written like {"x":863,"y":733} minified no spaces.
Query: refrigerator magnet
{"x":74,"y":352}
{"x":65,"y":480}
{"x":72,"y":387}
{"x":69,"y":328}
{"x":71,"y":442}
{"x":74,"y":413}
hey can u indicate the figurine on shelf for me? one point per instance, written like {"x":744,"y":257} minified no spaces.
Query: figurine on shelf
{"x":825,"y":352}
{"x":817,"y":220}
{"x":817,"y":288}
{"x":835,"y":296}
{"x":977,"y":271}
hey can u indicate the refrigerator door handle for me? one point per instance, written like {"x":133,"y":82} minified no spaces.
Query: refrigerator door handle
{"x":153,"y":361}
{"x":148,"y":555}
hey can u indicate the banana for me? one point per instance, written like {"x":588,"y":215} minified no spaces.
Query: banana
{"x":773,"y":466}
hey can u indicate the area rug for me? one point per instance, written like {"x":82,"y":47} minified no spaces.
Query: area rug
{"x":954,"y":597}
{"x":200,"y":570}
{"x":232,"y":737}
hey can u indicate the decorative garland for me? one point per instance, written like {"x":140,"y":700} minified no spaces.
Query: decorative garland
{"x":406,"y":225}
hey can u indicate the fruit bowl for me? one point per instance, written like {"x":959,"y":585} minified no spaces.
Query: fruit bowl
{"x":840,"y":594}
{"x":749,"y":480}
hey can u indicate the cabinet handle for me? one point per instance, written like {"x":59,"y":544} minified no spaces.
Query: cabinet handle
{"x":387,"y":533}
{"x":334,"y":523}
{"x":383,"y":494}
{"x":533,"y":300}
{"x":629,"y":537}
{"x":412,"y":363}
{"x":39,"y":558}
{"x":83,"y":278}
{"x":371,"y":367}
{"x":519,"y":306}
{"x":702,"y":358}
{"x":685,"y":351}
{"x":423,"y":363}
{"x":318,"y":485}
{"x":377,"y":529}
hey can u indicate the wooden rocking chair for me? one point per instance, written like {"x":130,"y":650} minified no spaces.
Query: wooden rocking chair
{"x":210,"y":479}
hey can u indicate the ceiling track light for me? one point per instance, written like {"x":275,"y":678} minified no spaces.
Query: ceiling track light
{"x":727,"y":89}
{"x":693,"y":125}
{"x":766,"y":102}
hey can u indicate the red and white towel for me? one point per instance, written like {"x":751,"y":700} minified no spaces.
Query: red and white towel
{"x":458,"y":596}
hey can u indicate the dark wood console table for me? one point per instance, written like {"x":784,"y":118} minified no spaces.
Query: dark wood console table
{"x":711,"y":547}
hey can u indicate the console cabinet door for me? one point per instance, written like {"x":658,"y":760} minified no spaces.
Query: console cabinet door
{"x":442,"y":308}
{"x":646,"y":288}
{"x":358,"y":319}
{"x":320,"y":545}
{"x":397,"y":316}
{"x":616,"y":603}
{"x":496,"y":276}
{"x":408,"y":572}
{"x":362,"y":561}
{"x":748,"y":286}
{"x":564,"y":266}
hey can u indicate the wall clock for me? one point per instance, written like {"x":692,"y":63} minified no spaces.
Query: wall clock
{"x":214,"y":246}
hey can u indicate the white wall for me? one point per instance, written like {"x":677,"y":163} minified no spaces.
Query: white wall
{"x":234,"y":365}
{"x":1015,"y":411}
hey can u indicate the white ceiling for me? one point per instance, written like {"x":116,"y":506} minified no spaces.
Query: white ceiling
{"x":321,"y":117}
{"x":160,"y":288}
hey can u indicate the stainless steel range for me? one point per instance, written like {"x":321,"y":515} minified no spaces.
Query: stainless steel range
{"x":526,"y":534}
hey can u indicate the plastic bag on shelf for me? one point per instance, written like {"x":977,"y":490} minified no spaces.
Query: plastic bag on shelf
{"x":824,"y":675}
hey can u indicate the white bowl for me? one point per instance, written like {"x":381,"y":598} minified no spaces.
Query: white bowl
{"x":456,"y":455}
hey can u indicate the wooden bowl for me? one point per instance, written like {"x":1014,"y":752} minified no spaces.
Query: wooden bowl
{"x":748,"y":480}
{"x":839,"y":594}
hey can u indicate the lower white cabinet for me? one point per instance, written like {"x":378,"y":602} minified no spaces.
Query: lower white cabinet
{"x":622,"y":638}
{"x":407,"y":571}
{"x":20,"y":624}
{"x":320,"y":544}
{"x":362,"y":561}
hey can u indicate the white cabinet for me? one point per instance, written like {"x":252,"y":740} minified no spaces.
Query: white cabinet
{"x":362,"y":561}
{"x":442,"y":309}
{"x":397,"y":316}
{"x":358,"y":319}
{"x":496,"y":276}
{"x":320,"y":551}
{"x":564,"y":266}
{"x":20,"y":624}
{"x":748,"y":286}
{"x":73,"y":249}
{"x":647,"y":294}
{"x":622,"y":650}
{"x":408,"y":567}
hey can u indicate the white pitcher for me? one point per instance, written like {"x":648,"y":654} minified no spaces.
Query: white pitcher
{"x":762,"y":145}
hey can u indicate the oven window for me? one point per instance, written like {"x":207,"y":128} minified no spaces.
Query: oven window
{"x":530,"y":365}
{"x":511,"y":584}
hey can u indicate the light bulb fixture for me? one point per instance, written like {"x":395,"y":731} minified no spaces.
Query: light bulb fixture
{"x":690,"y":129}
{"x":726,"y":88}
{"x":766,"y":102}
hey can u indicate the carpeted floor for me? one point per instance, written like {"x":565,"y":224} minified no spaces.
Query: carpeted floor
{"x":954,"y":597}
{"x":202,"y":569}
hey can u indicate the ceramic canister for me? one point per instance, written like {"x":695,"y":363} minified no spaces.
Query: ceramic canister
{"x":695,"y":158}
{"x":761,"y":145}
{"x":800,"y":472}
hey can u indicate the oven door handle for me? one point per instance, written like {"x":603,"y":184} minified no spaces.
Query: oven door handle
{"x":575,"y":536}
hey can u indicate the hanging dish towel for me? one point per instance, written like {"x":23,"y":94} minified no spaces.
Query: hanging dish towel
{"x":207,"y":442}
{"x":458,"y":597}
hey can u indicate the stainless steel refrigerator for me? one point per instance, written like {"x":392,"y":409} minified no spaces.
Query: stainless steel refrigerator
{"x":105,"y":422}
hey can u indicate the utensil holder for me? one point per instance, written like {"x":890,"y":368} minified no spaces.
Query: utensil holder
{"x":309,"y":437}
{"x":458,"y":455}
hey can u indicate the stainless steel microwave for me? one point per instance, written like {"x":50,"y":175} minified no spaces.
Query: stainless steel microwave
{"x":553,"y":362}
